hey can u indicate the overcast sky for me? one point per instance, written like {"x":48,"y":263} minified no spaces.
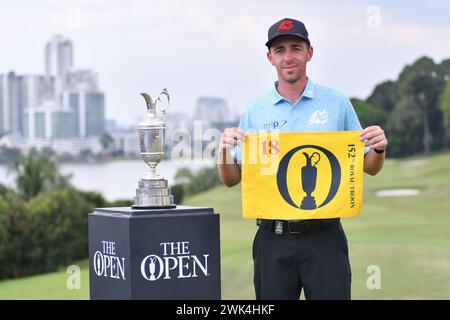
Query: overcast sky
{"x":216,"y":48}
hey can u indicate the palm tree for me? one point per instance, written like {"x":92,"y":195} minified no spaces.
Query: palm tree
{"x":37,"y":173}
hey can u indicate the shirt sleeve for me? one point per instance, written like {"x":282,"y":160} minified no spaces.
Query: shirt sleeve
{"x":351,"y":121}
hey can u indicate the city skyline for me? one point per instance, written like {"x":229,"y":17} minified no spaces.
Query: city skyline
{"x":195,"y":48}
{"x":62,"y":108}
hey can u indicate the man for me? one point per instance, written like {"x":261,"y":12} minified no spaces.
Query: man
{"x":316,"y":258}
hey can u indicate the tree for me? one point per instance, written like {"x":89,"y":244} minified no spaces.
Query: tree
{"x":37,"y":173}
{"x":404,"y":128}
{"x":106,"y":141}
{"x":183,"y":176}
{"x":12,"y":229}
{"x":368,"y":114}
{"x":384,"y":96}
{"x":57,"y":224}
{"x":421,"y":83}
{"x":444,"y":105}
{"x":4,"y":190}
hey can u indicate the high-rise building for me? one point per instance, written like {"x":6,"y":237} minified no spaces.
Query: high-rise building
{"x":58,"y":57}
{"x":58,"y":61}
{"x":88,"y":109}
{"x":11,"y":103}
{"x":62,"y":108}
{"x":17,"y":95}
{"x":81,"y":80}
{"x":5,"y":109}
{"x":81,"y":115}
{"x":211,"y":110}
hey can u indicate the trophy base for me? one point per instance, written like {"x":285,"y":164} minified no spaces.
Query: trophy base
{"x":153,"y":194}
{"x":308,"y":203}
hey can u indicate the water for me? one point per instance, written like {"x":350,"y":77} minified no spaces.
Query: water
{"x":114,"y":179}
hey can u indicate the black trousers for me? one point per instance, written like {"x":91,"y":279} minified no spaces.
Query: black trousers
{"x":316,"y":262}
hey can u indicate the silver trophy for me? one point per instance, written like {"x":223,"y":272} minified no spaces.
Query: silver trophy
{"x":153,"y":190}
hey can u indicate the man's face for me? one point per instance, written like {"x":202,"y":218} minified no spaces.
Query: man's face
{"x":289,"y":56}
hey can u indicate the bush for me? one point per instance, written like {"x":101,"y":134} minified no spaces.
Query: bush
{"x":178,"y":193}
{"x":190,"y":183}
{"x":57,"y":230}
{"x":12,"y":228}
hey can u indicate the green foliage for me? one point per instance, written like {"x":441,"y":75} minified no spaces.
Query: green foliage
{"x":95,"y":198}
{"x":43,"y":233}
{"x":384,"y":96}
{"x":183,"y":175}
{"x":46,"y":232}
{"x":368,"y":114}
{"x":12,"y":228}
{"x":422,"y":83}
{"x":414,"y":118}
{"x":191,"y":183}
{"x":44,"y":225}
{"x":404,"y":128}
{"x":57,"y":230}
{"x":444,"y":106}
{"x":3,"y":190}
{"x":178,"y":193}
{"x":37,"y":173}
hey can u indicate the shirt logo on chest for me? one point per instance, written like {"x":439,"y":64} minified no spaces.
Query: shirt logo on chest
{"x":274,"y":124}
{"x":318,"y":117}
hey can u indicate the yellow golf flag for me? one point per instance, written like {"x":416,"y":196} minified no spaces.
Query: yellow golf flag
{"x":291,"y":176}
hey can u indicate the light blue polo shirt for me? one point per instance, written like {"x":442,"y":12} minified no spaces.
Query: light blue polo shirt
{"x":319,"y":109}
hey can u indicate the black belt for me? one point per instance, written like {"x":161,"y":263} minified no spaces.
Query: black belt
{"x":281,"y":227}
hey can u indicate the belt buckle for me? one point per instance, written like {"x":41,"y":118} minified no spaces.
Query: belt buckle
{"x":289,"y":227}
{"x":278,"y":228}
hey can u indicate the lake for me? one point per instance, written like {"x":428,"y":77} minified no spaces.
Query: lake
{"x":116,"y":179}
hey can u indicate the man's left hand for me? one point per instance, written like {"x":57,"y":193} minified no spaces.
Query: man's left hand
{"x":374,"y":137}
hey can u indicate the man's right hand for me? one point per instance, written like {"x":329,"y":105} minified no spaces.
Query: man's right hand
{"x":231,"y":137}
{"x":229,"y":172}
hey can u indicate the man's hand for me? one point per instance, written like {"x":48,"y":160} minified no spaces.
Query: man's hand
{"x":374,"y":137}
{"x":229,"y":172}
{"x":230,"y":138}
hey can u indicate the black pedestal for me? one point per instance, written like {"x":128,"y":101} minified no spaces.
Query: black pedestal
{"x":154,"y":254}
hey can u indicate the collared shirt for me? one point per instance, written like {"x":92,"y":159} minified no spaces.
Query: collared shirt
{"x":319,"y":109}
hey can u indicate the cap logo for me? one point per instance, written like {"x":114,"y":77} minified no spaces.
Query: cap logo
{"x":285,"y":25}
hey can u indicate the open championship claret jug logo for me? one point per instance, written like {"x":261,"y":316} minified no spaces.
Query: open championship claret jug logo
{"x":175,"y":261}
{"x":302,"y":175}
{"x":308,"y":177}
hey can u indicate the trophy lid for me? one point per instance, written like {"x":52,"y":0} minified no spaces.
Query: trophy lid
{"x":151,"y":120}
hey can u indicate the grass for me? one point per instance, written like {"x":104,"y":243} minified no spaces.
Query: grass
{"x":408,"y":238}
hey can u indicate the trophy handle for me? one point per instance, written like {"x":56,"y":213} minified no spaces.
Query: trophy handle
{"x":318,"y":155}
{"x":164,"y":92}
